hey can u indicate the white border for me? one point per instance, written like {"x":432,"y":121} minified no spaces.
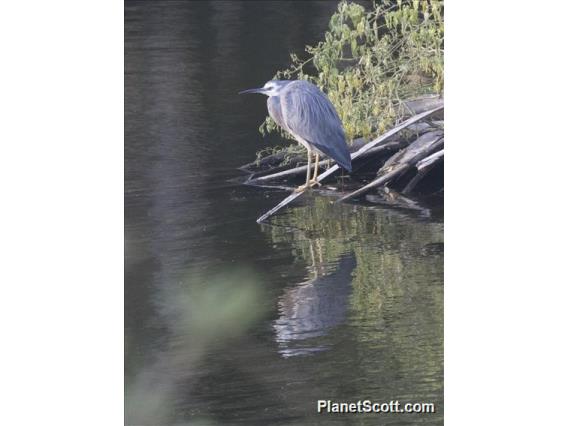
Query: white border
{"x":61,"y":177}
{"x":505,"y":288}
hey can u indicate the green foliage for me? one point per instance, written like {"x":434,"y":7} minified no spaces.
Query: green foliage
{"x":371,"y":60}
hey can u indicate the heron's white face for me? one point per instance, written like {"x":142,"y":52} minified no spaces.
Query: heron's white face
{"x":272,"y":88}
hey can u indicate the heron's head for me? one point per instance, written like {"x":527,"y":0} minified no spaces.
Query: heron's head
{"x":271,"y":88}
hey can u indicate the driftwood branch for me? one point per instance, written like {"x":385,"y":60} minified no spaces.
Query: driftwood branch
{"x":423,"y":166}
{"x":401,"y":162}
{"x":380,"y":140}
{"x":429,"y":161}
{"x":413,"y":151}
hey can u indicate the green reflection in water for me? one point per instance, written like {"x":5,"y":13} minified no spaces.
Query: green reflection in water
{"x":391,"y":343}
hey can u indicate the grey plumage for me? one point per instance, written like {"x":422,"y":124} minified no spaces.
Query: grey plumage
{"x":304,"y":111}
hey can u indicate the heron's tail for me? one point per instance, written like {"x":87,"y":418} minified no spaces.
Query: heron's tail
{"x":341,"y":155}
{"x":345,"y":163}
{"x":338,"y":152}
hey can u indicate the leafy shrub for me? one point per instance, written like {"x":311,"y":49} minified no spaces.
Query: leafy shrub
{"x":371,"y":60}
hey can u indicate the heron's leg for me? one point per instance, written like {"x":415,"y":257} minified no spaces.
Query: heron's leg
{"x":307,"y":184}
{"x":314,"y":180}
{"x":309,"y":167}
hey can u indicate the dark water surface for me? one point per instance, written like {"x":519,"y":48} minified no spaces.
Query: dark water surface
{"x":231,"y":322}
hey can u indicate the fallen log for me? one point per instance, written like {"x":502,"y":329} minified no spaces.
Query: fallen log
{"x":400,"y":163}
{"x":380,"y":140}
{"x":411,"y":151}
{"x":423,"y":166}
{"x":428,"y":161}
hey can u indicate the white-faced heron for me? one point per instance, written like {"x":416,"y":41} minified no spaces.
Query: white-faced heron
{"x":304,"y":111}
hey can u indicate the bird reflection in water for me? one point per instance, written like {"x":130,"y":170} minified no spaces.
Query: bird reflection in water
{"x":314,"y":307}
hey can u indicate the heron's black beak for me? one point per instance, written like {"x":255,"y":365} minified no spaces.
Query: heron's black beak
{"x":259,"y":90}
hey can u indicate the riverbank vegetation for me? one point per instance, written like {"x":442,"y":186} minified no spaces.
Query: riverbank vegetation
{"x":370,"y":61}
{"x":379,"y":67}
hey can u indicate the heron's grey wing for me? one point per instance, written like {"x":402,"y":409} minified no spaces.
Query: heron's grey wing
{"x":309,"y":114}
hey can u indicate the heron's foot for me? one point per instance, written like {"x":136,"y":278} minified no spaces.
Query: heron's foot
{"x":314,"y":182}
{"x":301,"y":188}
